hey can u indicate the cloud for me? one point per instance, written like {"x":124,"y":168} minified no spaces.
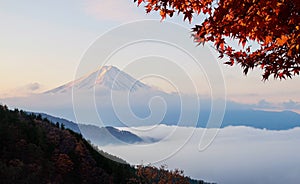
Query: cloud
{"x":112,"y":10}
{"x":291,"y":105}
{"x":285,"y":105}
{"x":237,"y":155}
{"x":33,"y":86}
{"x":23,"y":91}
{"x":264,"y":104}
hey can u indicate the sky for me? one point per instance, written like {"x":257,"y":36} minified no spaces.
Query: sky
{"x":42,"y":43}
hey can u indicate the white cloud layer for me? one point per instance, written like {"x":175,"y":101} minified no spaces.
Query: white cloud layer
{"x":238,"y":154}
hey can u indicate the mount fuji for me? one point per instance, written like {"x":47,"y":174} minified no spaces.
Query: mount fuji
{"x":118,"y":99}
{"x":111,"y":94}
{"x":105,"y":78}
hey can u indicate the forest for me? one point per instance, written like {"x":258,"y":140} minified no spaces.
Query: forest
{"x":35,"y":150}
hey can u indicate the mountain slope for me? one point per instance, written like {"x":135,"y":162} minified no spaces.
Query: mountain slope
{"x":68,"y":124}
{"x":108,"y":135}
{"x":33,"y":150}
{"x":105,"y":78}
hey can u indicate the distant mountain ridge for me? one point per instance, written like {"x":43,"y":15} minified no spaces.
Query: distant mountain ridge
{"x":97,"y":135}
{"x":108,"y":135}
{"x":106,"y":77}
{"x":270,"y":120}
{"x":251,"y":118}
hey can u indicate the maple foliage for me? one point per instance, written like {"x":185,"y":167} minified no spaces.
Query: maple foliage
{"x":273,"y":25}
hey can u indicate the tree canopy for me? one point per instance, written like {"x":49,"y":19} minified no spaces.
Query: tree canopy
{"x":273,"y":25}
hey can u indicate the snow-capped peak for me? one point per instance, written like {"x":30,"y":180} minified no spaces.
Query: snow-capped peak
{"x":106,"y":77}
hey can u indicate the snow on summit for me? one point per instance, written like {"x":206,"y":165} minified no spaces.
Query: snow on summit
{"x":106,"y":77}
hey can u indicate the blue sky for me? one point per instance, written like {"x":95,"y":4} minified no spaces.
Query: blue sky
{"x":42,"y":43}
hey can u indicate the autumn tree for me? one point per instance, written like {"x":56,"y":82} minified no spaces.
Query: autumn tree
{"x":151,"y":174}
{"x":267,"y":31}
{"x":63,"y":163}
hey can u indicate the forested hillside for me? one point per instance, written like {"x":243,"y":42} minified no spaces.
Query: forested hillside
{"x":33,"y":150}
